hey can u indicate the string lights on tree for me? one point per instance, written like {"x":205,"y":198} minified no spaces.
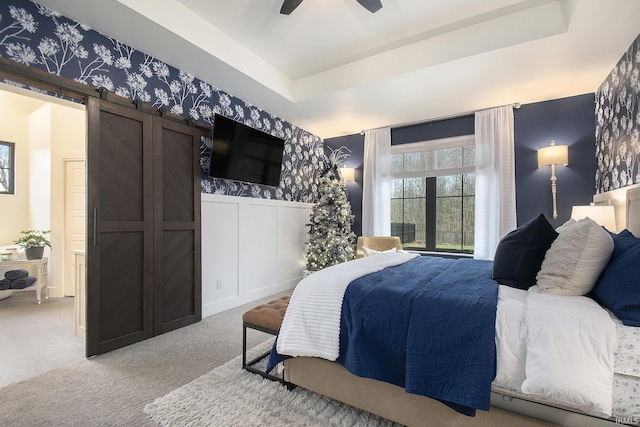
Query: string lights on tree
{"x":331,"y":240}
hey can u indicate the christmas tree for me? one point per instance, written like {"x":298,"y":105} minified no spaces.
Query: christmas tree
{"x":331,"y":240}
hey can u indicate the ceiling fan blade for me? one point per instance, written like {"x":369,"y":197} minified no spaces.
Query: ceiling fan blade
{"x":289,"y":5}
{"x":371,"y":5}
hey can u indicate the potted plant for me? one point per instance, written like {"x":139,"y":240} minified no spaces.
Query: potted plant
{"x":33,"y":242}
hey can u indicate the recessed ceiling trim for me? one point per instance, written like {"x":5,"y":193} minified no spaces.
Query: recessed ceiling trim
{"x":443,"y":26}
{"x":440,"y":46}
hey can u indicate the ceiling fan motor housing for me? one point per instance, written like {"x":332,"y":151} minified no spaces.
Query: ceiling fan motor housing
{"x":371,"y":5}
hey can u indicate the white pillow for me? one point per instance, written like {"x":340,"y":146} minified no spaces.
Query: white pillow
{"x":573,"y":263}
{"x":368,"y":251}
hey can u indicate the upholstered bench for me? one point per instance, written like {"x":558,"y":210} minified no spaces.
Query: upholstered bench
{"x":265,"y":318}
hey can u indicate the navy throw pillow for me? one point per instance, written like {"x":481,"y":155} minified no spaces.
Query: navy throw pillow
{"x":520,"y":253}
{"x":618,"y":288}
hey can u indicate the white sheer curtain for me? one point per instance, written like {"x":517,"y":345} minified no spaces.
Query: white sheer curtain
{"x":495,"y":199}
{"x":376,"y":192}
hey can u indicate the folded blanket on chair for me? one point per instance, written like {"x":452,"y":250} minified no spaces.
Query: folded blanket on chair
{"x":5,"y":284}
{"x":16,"y":274}
{"x":23,"y":282}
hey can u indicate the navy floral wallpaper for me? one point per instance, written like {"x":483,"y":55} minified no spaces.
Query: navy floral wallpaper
{"x":41,"y":38}
{"x":618,"y":124}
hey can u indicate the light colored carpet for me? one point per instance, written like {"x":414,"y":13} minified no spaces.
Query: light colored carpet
{"x":112,"y":389}
{"x":231,"y":396}
{"x":36,"y":338}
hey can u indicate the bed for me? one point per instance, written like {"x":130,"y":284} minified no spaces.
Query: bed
{"x":509,"y":383}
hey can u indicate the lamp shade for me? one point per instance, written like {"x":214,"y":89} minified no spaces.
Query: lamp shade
{"x":553,"y":155}
{"x":603,"y":215}
{"x":348,"y":174}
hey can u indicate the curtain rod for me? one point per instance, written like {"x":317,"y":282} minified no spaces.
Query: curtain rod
{"x":515,"y":105}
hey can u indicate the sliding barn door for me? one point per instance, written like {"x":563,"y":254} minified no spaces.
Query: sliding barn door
{"x":178,"y":284}
{"x":143,"y":248}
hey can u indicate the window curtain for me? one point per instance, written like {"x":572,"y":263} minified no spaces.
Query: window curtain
{"x":495,"y":199}
{"x":376,"y":194}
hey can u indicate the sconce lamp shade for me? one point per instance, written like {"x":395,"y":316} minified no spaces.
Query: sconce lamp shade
{"x":603,"y":215}
{"x":553,"y":155}
{"x":348,"y":174}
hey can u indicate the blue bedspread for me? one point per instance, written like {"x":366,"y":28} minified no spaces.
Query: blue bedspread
{"x":427,"y":325}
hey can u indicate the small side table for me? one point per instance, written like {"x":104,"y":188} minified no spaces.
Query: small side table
{"x":41,"y":273}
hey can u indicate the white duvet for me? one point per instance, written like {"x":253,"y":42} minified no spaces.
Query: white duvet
{"x":557,"y":348}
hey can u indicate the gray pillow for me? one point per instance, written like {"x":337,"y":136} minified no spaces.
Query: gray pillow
{"x":575,"y":260}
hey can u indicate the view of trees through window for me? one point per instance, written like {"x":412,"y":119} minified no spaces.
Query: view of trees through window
{"x":6,"y":167}
{"x":436,"y":211}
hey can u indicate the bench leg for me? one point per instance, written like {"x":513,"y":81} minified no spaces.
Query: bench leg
{"x":248,"y":365}
{"x":244,"y":346}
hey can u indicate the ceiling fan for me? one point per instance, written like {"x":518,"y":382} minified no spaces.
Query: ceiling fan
{"x":289,"y":5}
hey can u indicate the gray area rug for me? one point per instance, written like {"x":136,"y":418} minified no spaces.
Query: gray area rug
{"x":231,"y":396}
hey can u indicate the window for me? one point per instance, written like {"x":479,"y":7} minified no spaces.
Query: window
{"x":433,"y":194}
{"x":7,"y":172}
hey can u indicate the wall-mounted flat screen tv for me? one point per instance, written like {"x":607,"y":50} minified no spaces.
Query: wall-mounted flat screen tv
{"x":242,"y":153}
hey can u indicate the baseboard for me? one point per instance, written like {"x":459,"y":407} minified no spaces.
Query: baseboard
{"x":228,"y":303}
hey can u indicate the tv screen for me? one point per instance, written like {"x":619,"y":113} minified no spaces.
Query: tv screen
{"x":242,"y":153}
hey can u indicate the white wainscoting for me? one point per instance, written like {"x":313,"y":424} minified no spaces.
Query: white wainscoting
{"x":251,"y":248}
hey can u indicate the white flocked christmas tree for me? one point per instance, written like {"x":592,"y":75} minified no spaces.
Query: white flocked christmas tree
{"x":331,"y":240}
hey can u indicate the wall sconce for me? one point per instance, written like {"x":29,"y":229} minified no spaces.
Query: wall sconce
{"x":553,"y":155}
{"x":603,"y":215}
{"x":347,"y":174}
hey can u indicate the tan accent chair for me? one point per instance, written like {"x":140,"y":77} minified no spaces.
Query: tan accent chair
{"x":378,"y":243}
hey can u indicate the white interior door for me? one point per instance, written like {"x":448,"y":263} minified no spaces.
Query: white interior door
{"x":75,"y":218}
